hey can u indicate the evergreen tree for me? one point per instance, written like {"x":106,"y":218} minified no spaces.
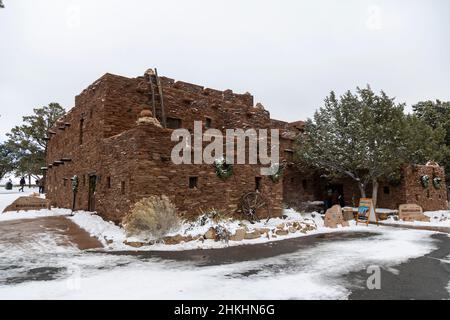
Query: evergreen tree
{"x":363,"y":136}
{"x":27,"y":141}
{"x":6,"y":161}
{"x":436,"y":114}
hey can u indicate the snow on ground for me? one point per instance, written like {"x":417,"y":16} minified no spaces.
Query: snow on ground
{"x":113,"y":237}
{"x":42,"y":269}
{"x":9,"y":196}
{"x":313,"y":273}
{"x":437,"y":219}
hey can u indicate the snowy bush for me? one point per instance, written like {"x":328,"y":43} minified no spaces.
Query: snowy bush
{"x":153,"y":216}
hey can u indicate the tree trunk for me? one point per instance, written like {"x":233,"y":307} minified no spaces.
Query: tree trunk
{"x":374,"y":192}
{"x":29,"y":181}
{"x":362,"y":189}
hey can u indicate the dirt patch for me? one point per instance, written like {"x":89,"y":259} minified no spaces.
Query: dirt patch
{"x":19,"y":232}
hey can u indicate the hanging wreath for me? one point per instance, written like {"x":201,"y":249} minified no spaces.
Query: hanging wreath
{"x":437,"y":182}
{"x":223,"y":169}
{"x":279,"y":170}
{"x":425,"y":180}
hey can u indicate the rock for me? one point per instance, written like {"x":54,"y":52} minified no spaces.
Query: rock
{"x":211,"y":234}
{"x":292,"y":230}
{"x":252,"y":235}
{"x":176,"y":239}
{"x":296,"y":225}
{"x":281,"y":226}
{"x":282,"y":232}
{"x":348,"y":214}
{"x":134,"y":244}
{"x":334,"y":217}
{"x":28,"y":203}
{"x":239,"y":235}
{"x":412,"y":212}
{"x":263,"y":230}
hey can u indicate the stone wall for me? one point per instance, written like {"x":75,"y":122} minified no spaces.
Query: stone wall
{"x":129,"y":161}
{"x":429,"y":198}
{"x":99,"y":140}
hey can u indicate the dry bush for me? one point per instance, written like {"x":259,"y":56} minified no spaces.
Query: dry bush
{"x":154,"y":216}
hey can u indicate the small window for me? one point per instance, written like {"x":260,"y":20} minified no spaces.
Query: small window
{"x":386,"y":190}
{"x":193,"y":182}
{"x":173,"y":123}
{"x":108,"y":182}
{"x":292,"y":180}
{"x":208,"y":123}
{"x":289,"y":155}
{"x":258,"y":183}
{"x":122,"y":187}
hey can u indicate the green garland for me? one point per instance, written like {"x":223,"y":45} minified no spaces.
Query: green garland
{"x":276,"y":177}
{"x":223,"y":169}
{"x":437,"y":182}
{"x":425,"y":180}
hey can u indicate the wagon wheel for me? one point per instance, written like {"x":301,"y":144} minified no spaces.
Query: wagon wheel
{"x":251,"y":203}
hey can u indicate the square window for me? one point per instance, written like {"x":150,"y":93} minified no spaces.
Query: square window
{"x":208,"y":123}
{"x":193,"y":182}
{"x":386,"y":190}
{"x":173,"y":123}
{"x":258,"y":183}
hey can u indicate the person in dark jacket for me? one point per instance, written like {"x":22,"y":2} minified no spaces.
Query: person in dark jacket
{"x":22,"y":184}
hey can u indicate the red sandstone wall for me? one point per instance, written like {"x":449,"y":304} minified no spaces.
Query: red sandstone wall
{"x":429,"y":198}
{"x":131,"y":162}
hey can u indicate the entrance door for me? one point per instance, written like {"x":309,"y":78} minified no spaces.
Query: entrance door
{"x":335,"y":195}
{"x":92,"y":187}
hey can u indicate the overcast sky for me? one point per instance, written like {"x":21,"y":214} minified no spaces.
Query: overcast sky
{"x":288,"y":54}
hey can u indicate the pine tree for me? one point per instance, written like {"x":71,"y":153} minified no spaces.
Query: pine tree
{"x":436,"y":114}
{"x":27,"y":141}
{"x":6,"y":161}
{"x":363,"y":136}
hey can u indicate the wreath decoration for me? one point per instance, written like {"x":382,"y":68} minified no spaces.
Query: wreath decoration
{"x":437,"y":182}
{"x":276,"y":177}
{"x":224,"y":170}
{"x":425,"y":180}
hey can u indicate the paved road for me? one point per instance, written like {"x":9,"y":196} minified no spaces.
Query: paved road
{"x":426,"y":277}
{"x":423,"y":278}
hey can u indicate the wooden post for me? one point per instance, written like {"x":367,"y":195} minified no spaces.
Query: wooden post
{"x":161,"y":97}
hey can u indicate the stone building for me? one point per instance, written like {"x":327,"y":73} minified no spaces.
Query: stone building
{"x":120,"y":160}
{"x":117,"y":140}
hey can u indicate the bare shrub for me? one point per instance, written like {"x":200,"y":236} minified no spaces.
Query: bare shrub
{"x":154,"y":216}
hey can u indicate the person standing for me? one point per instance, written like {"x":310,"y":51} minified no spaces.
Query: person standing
{"x":22,"y":184}
{"x":41,"y":186}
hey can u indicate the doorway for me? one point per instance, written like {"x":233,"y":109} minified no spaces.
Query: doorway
{"x":92,"y":188}
{"x":334,"y":194}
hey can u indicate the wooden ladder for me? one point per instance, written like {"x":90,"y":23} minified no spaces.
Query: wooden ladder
{"x":157,"y":97}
